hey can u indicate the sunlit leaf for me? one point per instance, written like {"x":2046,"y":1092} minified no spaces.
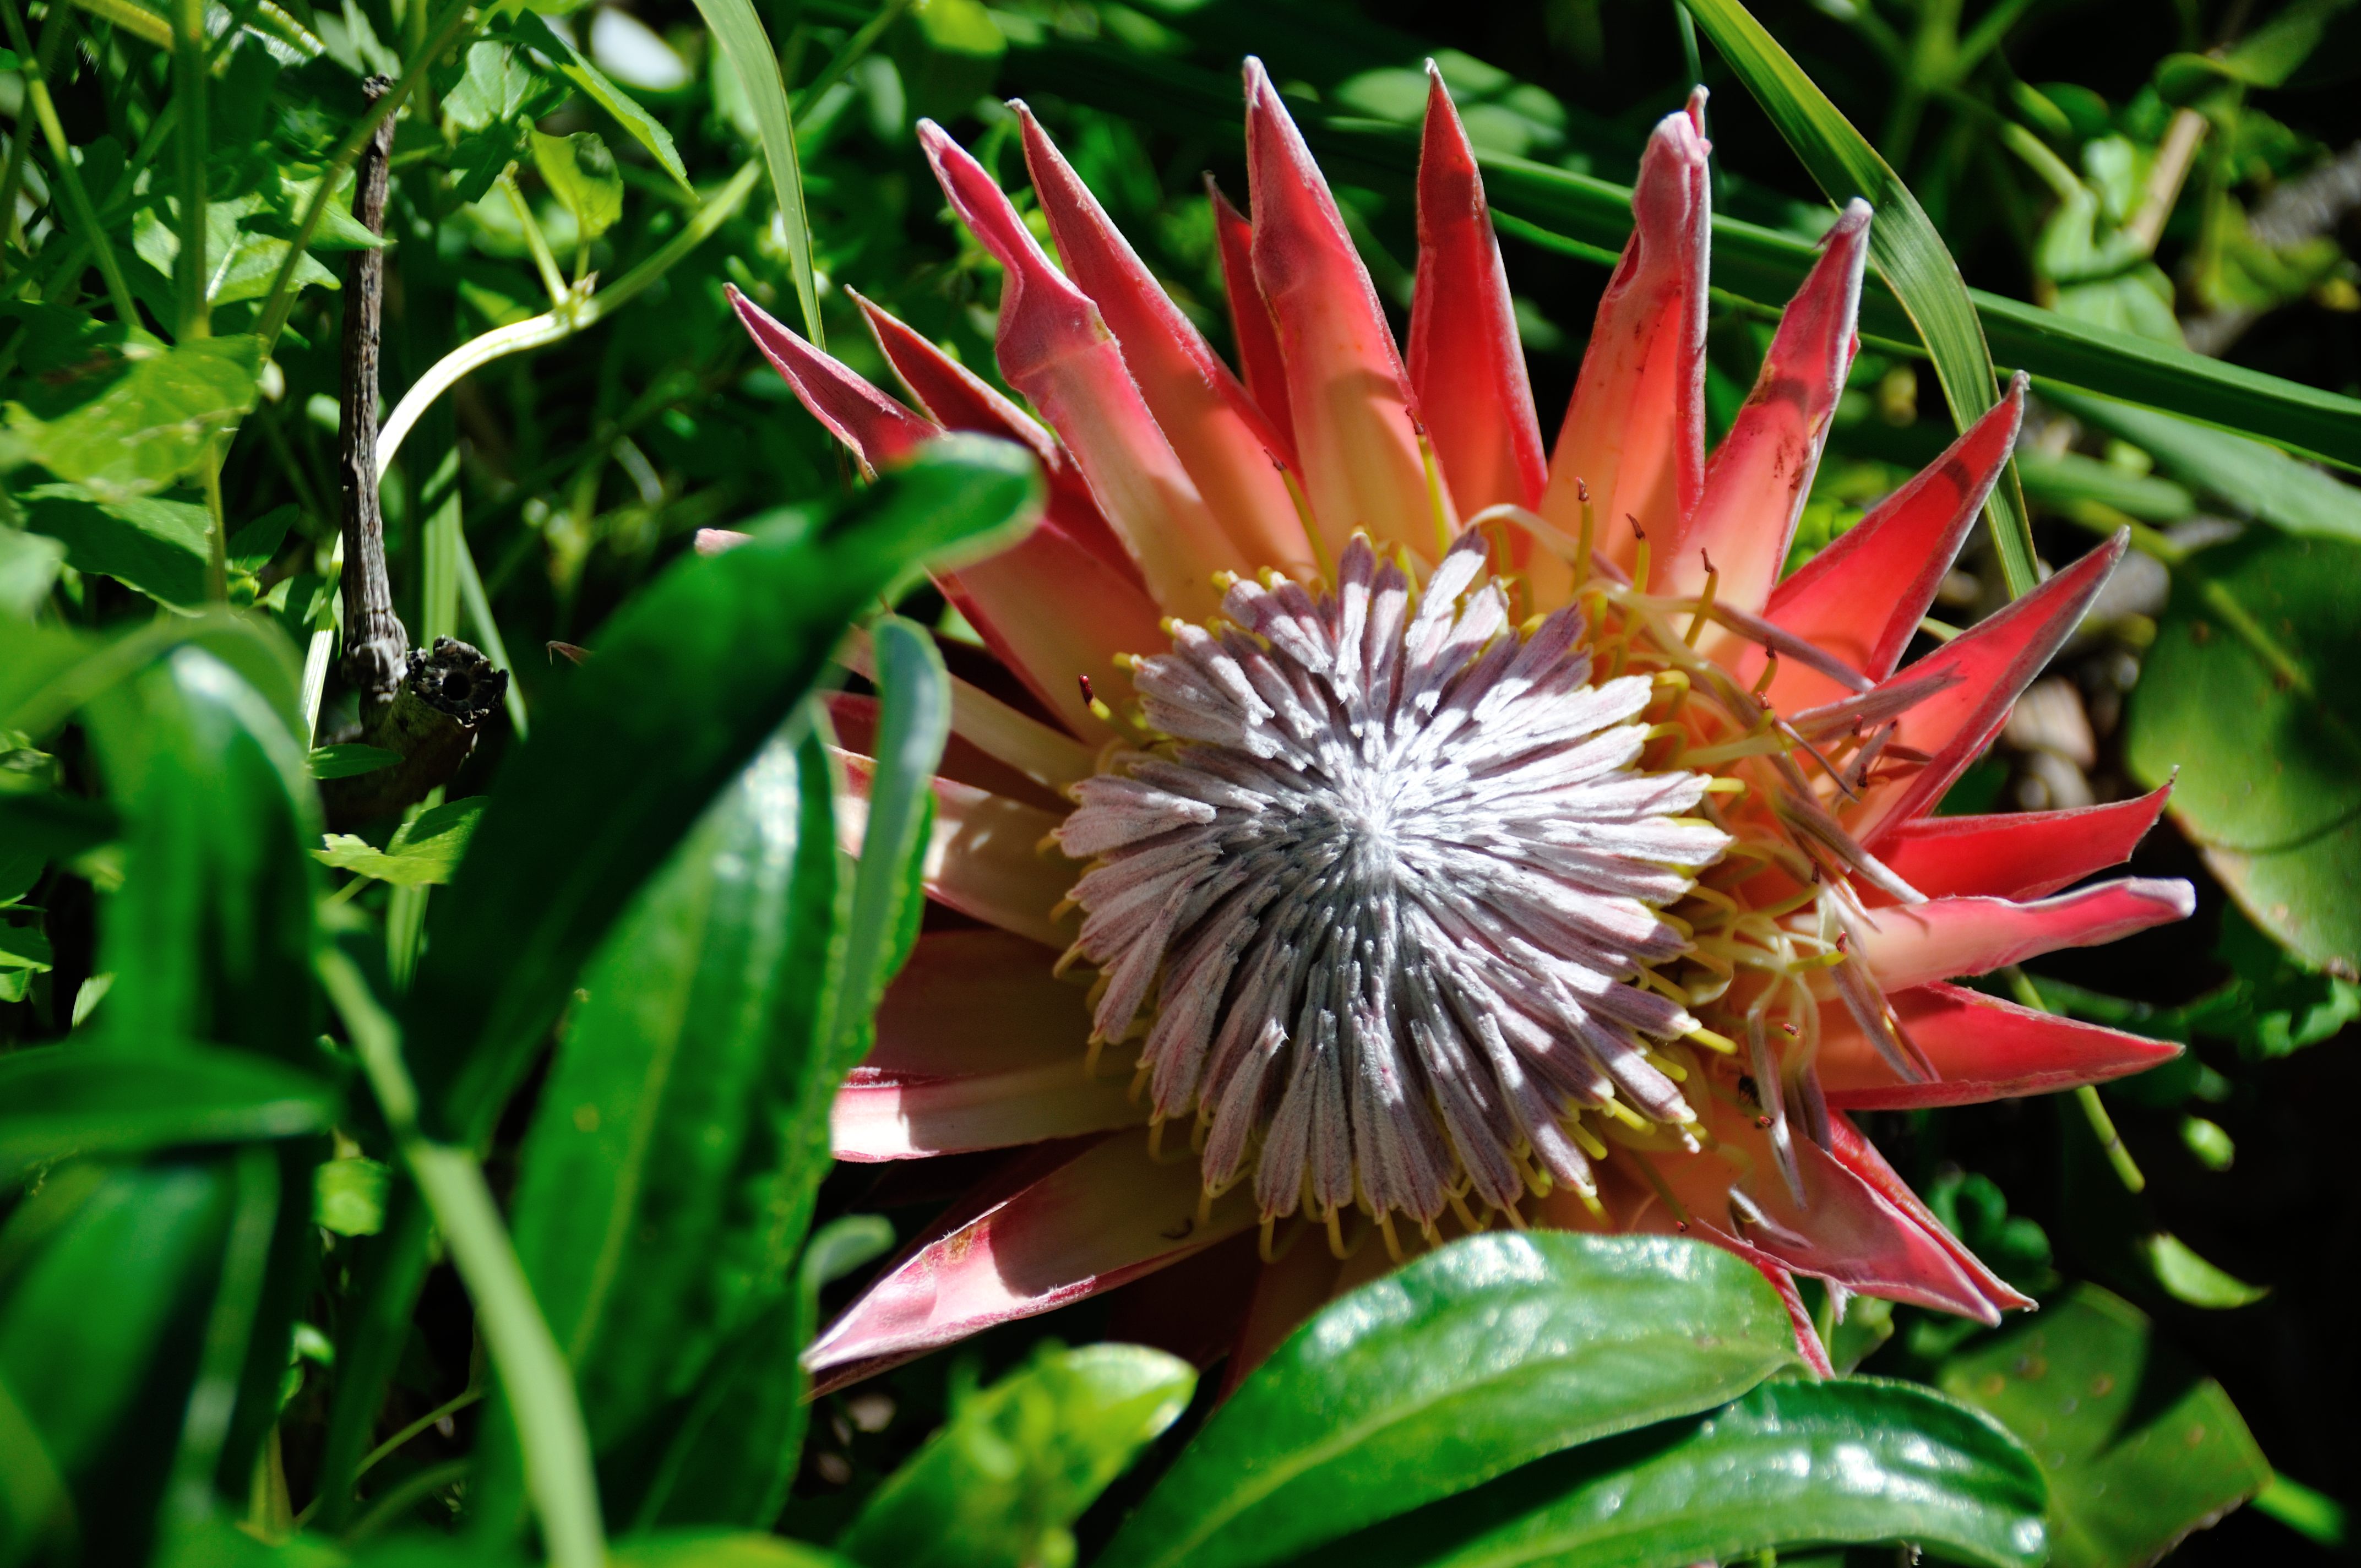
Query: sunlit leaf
{"x":58,"y":1101}
{"x":152,"y":424}
{"x":423,"y":854}
{"x":581,"y":174}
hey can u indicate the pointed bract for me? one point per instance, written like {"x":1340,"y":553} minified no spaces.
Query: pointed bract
{"x":983,"y":858}
{"x":1221,"y":438}
{"x":1859,"y":1155}
{"x":1055,"y":350}
{"x":1634,"y":434}
{"x":1763,"y":471}
{"x":873,"y":426}
{"x":1467,"y":366}
{"x":1982,"y":1049}
{"x":1946,"y":937}
{"x":2024,"y":854}
{"x":1260,"y":364}
{"x":1356,"y":434}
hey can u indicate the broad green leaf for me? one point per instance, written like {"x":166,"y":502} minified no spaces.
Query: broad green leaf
{"x":210,"y":937}
{"x":152,"y":424}
{"x":2139,"y":1447}
{"x":29,"y":569}
{"x":738,"y":28}
{"x":581,"y":173}
{"x":242,"y":256}
{"x":57,"y":1101}
{"x":101,"y":1327}
{"x":571,"y":63}
{"x":1468,"y":1363}
{"x":424,"y":853}
{"x":1592,"y":218}
{"x":684,"y":683}
{"x":1001,"y":1484}
{"x":2269,"y":764}
{"x":683,"y":1086}
{"x":1849,"y":1461}
{"x":494,"y":88}
{"x":2254,"y":480}
{"x":158,"y":546}
{"x":350,"y":758}
{"x":1909,"y":254}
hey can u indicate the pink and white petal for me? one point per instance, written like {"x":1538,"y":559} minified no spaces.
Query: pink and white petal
{"x":1260,"y":364}
{"x":877,"y":428}
{"x":1356,"y":431}
{"x":959,"y":399}
{"x":1634,"y":434}
{"x":1860,"y":1156}
{"x":1755,"y":487}
{"x":1055,"y":350}
{"x":1228,"y":447}
{"x":1022,"y":745}
{"x":1988,"y":666}
{"x":1105,"y":1216}
{"x":983,"y":858}
{"x":2024,"y":854}
{"x":1056,"y":613}
{"x":1799,"y":1319}
{"x":1982,"y":1048}
{"x":1862,"y":597}
{"x":1913,"y":944}
{"x":879,"y":1116}
{"x":1844,"y":1231}
{"x":1466,"y":364}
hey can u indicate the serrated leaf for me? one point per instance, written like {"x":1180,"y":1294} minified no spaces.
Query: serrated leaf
{"x":424,"y":853}
{"x":2139,"y":1447}
{"x":1470,"y":1362}
{"x":1002,"y":1482}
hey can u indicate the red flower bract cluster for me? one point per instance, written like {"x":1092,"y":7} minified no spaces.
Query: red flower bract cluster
{"x":1447,"y":834}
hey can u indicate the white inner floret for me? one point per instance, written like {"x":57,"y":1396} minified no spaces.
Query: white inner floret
{"x":1390,"y":883}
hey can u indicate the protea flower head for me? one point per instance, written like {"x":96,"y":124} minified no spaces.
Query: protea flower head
{"x":1415,"y":833}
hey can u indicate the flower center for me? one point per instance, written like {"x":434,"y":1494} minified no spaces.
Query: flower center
{"x":1384,"y":889}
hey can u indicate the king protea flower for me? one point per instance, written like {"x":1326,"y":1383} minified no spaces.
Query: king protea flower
{"x":1413,"y":833}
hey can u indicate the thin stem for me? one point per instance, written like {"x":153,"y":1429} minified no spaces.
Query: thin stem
{"x":323,"y":644}
{"x":535,"y":241}
{"x":20,"y":145}
{"x":412,"y":1489}
{"x":191,"y":78}
{"x":375,"y":641}
{"x":280,"y":301}
{"x":216,"y":525}
{"x":532,"y":1369}
{"x":68,"y":174}
{"x":2094,"y":1111}
{"x":556,"y":326}
{"x":859,"y":44}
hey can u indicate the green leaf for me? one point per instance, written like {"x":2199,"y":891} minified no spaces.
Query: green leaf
{"x":57,"y":1101}
{"x":152,"y":424}
{"x":686,"y":683}
{"x":581,"y":172}
{"x":1001,"y":1484}
{"x":351,"y":758}
{"x":2138,"y":1446}
{"x":2254,"y":480}
{"x":2188,"y":1276}
{"x":574,"y":66}
{"x":424,"y":853}
{"x":948,"y":53}
{"x":210,"y":937}
{"x":348,"y":1196}
{"x":1848,"y":1461}
{"x":1909,"y":254}
{"x":158,"y":546}
{"x":492,"y":90}
{"x":2269,"y":785}
{"x":1471,"y":1361}
{"x":718,"y":1548}
{"x":738,"y":29}
{"x":29,"y":569}
{"x":684,"y":1087}
{"x":2264,"y":58}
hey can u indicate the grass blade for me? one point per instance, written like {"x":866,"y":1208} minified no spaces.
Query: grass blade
{"x":739,"y":33}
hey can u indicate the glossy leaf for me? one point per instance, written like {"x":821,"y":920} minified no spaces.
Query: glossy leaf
{"x":152,"y":424}
{"x":719,"y":1549}
{"x":2270,"y":758}
{"x":581,"y":173}
{"x":738,"y":28}
{"x":1903,"y":244}
{"x":643,"y":1212}
{"x":62,"y":1100}
{"x":2138,"y":1446}
{"x":1471,"y":1361}
{"x":684,"y":685}
{"x":350,"y":758}
{"x":1850,"y":1461}
{"x":210,"y":937}
{"x":423,"y":852}
{"x":155,"y":545}
{"x":2254,"y":480}
{"x":1002,"y":1482}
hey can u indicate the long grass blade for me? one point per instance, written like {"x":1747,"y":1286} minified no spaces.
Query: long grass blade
{"x":739,"y":33}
